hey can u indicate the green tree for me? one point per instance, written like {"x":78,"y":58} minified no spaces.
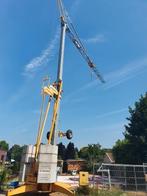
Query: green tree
{"x":4,"y":145}
{"x":15,"y":152}
{"x":121,"y":152}
{"x":3,"y":178}
{"x":70,"y":151}
{"x":76,"y":153}
{"x":61,"y":151}
{"x":133,"y":149}
{"x":93,"y":153}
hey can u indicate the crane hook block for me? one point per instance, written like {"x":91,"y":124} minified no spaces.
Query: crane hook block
{"x":48,"y":135}
{"x":69,"y":134}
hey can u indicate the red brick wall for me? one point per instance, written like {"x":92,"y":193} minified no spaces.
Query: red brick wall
{"x":76,"y":165}
{"x":3,"y":155}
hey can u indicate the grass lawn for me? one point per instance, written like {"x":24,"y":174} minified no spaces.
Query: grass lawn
{"x":94,"y":192}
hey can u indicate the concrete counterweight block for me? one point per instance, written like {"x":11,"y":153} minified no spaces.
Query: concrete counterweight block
{"x":27,"y":158}
{"x":47,"y":160}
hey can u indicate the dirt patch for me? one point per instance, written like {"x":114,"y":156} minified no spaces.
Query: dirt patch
{"x":137,"y":193}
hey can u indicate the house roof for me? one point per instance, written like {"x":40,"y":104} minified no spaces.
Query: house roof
{"x":75,"y":160}
{"x":3,"y":151}
{"x":110,"y":157}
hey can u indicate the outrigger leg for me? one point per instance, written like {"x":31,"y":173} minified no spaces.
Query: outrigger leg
{"x":50,"y":188}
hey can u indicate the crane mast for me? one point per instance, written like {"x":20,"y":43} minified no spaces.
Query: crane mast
{"x":67,"y":28}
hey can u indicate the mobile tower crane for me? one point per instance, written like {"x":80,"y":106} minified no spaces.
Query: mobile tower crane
{"x":39,"y":161}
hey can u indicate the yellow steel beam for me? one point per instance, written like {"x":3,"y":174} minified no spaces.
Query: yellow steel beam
{"x":55,"y":187}
{"x":55,"y":111}
{"x":62,"y":188}
{"x":22,"y":189}
{"x":42,"y":128}
{"x":50,"y":90}
{"x":41,"y":116}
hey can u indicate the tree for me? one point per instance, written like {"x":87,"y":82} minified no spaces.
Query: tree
{"x":92,"y":153}
{"x":133,"y":149}
{"x":76,"y":153}
{"x":15,"y":153}
{"x":61,"y":151}
{"x":3,"y":178}
{"x":70,"y":151}
{"x":4,"y":145}
{"x":121,"y":152}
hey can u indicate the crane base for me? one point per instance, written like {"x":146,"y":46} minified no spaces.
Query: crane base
{"x":43,"y":188}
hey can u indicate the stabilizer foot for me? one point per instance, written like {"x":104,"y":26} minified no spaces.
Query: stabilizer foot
{"x":44,"y":188}
{"x":22,"y":189}
{"x":62,"y":188}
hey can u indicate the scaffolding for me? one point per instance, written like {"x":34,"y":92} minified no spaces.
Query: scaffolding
{"x":124,"y":176}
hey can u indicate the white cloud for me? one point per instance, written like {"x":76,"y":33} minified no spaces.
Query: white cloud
{"x":121,"y":75}
{"x":95,"y":39}
{"x":125,"y":73}
{"x":112,"y":113}
{"x":105,"y":134}
{"x":45,"y":57}
{"x":37,"y":62}
{"x":49,"y":53}
{"x":105,"y":127}
{"x":114,"y":78}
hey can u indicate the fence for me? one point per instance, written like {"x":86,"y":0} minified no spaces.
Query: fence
{"x":126,"y":177}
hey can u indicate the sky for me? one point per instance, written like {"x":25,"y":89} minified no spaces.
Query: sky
{"x":115,"y":36}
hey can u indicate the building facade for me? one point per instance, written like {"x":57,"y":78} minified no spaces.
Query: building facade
{"x":3,"y":156}
{"x":71,"y":164}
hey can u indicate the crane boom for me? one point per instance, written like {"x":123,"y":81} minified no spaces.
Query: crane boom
{"x":82,"y":51}
{"x":72,"y":34}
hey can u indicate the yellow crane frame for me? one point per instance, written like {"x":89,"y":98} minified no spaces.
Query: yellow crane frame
{"x":31,"y":184}
{"x":54,"y":91}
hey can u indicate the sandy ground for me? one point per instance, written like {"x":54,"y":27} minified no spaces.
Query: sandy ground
{"x":71,"y":180}
{"x":137,"y":194}
{"x":74,"y":182}
{"x":39,"y":194}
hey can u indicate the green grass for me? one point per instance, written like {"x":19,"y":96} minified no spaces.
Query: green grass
{"x":86,"y":191}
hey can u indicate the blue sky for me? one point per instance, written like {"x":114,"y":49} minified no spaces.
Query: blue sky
{"x":115,"y":35}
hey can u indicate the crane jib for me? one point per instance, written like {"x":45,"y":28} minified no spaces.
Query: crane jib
{"x":72,"y":34}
